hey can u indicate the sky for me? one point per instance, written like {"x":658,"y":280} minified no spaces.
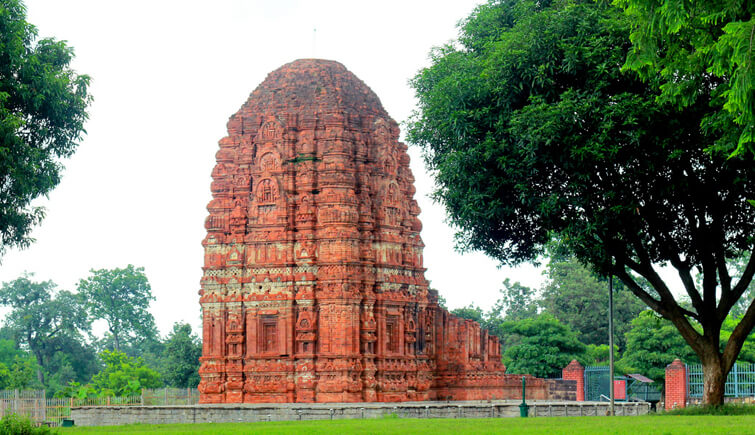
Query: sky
{"x":166,"y":76}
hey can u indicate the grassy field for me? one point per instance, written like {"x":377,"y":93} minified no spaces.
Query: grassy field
{"x":654,"y":424}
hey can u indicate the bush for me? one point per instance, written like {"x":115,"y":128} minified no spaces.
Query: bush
{"x":13,"y":424}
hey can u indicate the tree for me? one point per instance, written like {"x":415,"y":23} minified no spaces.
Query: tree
{"x":73,"y":361}
{"x":41,"y":318}
{"x":124,"y":375}
{"x":182,"y":352}
{"x":120,"y":297}
{"x":535,"y":134}
{"x":579,"y":299}
{"x":652,"y":344}
{"x":471,"y":312}
{"x":540,"y":346}
{"x":699,"y":47}
{"x":517,"y":302}
{"x":42,"y":112}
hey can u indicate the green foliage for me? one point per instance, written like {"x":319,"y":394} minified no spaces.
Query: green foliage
{"x":42,"y":112}
{"x":182,"y":352}
{"x":738,"y":269}
{"x":42,"y":319}
{"x":124,"y":375}
{"x":578,"y":298}
{"x":470,"y":312}
{"x":540,"y":346}
{"x":534,"y":134}
{"x":121,"y":297}
{"x":597,"y":355}
{"x":700,"y":49}
{"x":517,"y":302}
{"x":652,"y":344}
{"x":747,"y":354}
{"x":13,"y":424}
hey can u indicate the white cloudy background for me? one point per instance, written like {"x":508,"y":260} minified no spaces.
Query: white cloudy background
{"x":166,"y":75}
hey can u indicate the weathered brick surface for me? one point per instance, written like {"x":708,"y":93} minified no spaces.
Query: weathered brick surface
{"x":575,"y":372}
{"x":313,"y":287}
{"x":676,"y":385}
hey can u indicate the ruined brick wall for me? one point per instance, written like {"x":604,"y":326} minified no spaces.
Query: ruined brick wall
{"x":313,"y":287}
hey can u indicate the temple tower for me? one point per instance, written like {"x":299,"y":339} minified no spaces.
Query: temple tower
{"x":313,"y":287}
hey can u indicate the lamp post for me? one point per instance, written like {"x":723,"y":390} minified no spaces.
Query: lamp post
{"x":524,"y":409}
{"x":610,"y":343}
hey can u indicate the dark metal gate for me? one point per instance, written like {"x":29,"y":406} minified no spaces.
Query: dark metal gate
{"x":597,"y":383}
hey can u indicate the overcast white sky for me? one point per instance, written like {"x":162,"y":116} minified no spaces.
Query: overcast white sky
{"x":166,"y":76}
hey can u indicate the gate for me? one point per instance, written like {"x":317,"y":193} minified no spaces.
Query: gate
{"x":598,"y":384}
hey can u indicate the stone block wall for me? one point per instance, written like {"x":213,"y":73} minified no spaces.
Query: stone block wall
{"x":118,"y":415}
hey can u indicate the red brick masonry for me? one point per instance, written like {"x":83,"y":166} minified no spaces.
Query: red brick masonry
{"x":676,"y":385}
{"x":575,"y":372}
{"x":313,"y":287}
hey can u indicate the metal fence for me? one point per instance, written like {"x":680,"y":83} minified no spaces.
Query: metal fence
{"x":52,"y":411}
{"x":739,"y":383}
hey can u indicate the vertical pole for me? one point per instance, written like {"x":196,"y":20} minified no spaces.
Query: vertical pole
{"x":610,"y":343}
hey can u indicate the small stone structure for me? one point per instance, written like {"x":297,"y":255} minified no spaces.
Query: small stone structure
{"x":313,"y":287}
{"x":228,"y":413}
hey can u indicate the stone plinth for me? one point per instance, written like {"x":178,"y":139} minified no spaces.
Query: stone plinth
{"x":313,"y":287}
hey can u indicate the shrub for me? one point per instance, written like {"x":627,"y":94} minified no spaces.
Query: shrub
{"x":13,"y":424}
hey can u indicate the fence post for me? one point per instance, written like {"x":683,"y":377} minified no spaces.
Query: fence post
{"x":736,"y":381}
{"x":166,"y":396}
{"x":141,"y":398}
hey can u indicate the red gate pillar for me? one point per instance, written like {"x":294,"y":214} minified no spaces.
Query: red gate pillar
{"x":575,"y":372}
{"x":676,"y":385}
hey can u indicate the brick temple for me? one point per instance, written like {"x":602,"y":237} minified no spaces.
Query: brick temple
{"x":313,"y":287}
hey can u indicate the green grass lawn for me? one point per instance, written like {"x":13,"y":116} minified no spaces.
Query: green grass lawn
{"x":653,"y":424}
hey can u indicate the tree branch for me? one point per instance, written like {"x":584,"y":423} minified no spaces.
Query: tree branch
{"x":689,"y":283}
{"x":740,"y":333}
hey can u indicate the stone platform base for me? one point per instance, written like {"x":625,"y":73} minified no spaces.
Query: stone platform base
{"x":117,"y":415}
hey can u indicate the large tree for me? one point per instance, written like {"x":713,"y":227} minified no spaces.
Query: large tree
{"x":42,"y":319}
{"x":42,"y":112}
{"x":653,"y":343}
{"x":182,"y":352}
{"x":121,"y":298}
{"x":577,"y":297}
{"x":696,"y":45}
{"x":534,"y":133}
{"x":540,"y":346}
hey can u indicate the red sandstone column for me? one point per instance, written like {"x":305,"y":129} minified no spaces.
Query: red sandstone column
{"x":676,"y":385}
{"x":575,"y":372}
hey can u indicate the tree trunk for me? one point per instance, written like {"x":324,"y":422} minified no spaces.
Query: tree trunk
{"x":40,"y":374}
{"x":714,"y":382}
